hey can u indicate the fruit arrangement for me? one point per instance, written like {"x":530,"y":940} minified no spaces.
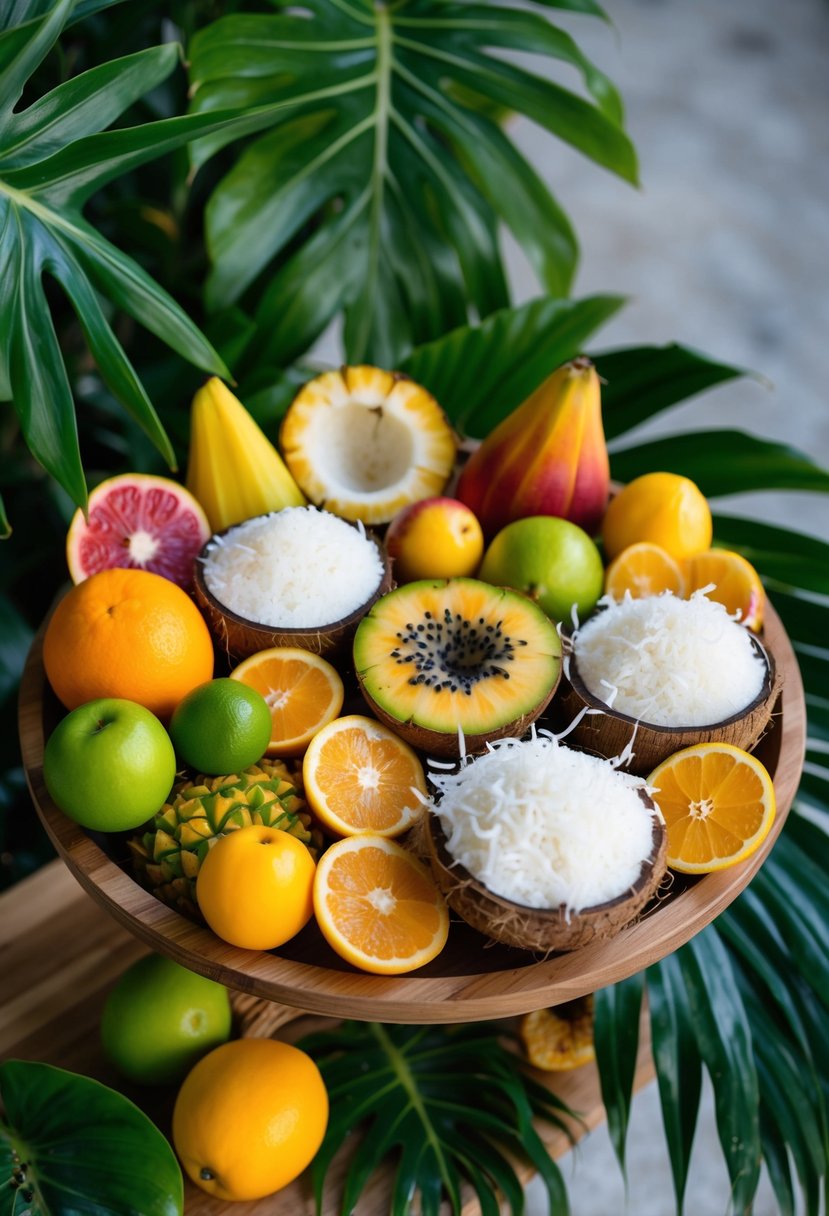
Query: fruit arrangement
{"x":214,"y":729}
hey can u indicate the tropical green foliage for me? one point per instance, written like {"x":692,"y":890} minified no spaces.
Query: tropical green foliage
{"x":119,"y":270}
{"x":455,"y":1103}
{"x":69,"y":1144}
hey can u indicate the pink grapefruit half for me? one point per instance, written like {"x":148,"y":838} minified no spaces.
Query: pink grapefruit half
{"x":140,"y":522}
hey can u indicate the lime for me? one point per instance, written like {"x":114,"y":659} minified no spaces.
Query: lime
{"x":221,"y":727}
{"x":551,"y":560}
{"x":160,"y":1018}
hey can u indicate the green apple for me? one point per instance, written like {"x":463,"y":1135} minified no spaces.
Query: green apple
{"x":160,"y":1018}
{"x":109,"y":765}
{"x":550,"y":559}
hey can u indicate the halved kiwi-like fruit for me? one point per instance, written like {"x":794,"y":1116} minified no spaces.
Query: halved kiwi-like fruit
{"x":436,"y":657}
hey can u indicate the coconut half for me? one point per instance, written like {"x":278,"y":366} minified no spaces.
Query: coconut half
{"x":239,"y":636}
{"x":543,"y":929}
{"x":363,"y":443}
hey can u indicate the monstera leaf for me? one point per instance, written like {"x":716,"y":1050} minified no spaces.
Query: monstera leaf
{"x":53,"y":155}
{"x":380,"y":185}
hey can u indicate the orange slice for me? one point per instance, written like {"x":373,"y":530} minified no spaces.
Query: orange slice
{"x":303,"y":691}
{"x":360,"y":777}
{"x":378,"y":907}
{"x":643,"y":569}
{"x":559,"y":1039}
{"x":718,"y":805}
{"x":737,"y":584}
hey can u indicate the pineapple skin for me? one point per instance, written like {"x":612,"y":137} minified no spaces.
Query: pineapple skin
{"x":167,"y":858}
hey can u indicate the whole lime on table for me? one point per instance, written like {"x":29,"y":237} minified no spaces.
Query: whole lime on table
{"x":550,"y":559}
{"x":221,"y":727}
{"x":109,"y":765}
{"x":160,"y":1019}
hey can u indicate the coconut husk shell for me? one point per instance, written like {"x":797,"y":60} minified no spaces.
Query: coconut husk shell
{"x":543,"y":929}
{"x":238,"y":637}
{"x":608,"y":732}
{"x":445,"y":745}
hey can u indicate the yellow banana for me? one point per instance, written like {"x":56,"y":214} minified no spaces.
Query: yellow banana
{"x":233,"y":470}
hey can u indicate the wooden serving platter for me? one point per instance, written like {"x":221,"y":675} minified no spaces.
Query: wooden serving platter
{"x":471,"y":979}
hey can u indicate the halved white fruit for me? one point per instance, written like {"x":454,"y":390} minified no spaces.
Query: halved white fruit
{"x":363,"y":443}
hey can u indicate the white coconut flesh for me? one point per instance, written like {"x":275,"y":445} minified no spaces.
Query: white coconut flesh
{"x":546,"y":826}
{"x":363,"y":443}
{"x":668,"y":661}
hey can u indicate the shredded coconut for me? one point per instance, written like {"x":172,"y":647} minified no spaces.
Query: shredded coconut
{"x":296,"y":568}
{"x":668,"y":661}
{"x":543,"y":825}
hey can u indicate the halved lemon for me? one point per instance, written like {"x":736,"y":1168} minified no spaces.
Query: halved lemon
{"x":643,"y":569}
{"x":378,"y":907}
{"x":304,"y":693}
{"x":360,"y":777}
{"x":718,"y":804}
{"x":736,"y":584}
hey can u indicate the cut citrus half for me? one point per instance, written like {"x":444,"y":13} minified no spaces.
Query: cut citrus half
{"x":360,"y":777}
{"x":139,"y":522}
{"x":718,"y":804}
{"x":559,"y":1039}
{"x":643,"y":569}
{"x":378,"y":907}
{"x":303,"y":691}
{"x":735,"y":583}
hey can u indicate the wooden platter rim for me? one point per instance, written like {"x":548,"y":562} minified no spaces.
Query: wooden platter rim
{"x":414,"y":997}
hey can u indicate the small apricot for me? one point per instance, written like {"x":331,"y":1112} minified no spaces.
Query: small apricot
{"x":434,"y":538}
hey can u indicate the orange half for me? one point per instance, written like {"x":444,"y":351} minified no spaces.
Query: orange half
{"x":718,"y":804}
{"x":736,"y":584}
{"x":304,"y":693}
{"x":643,"y":569}
{"x":359,"y":776}
{"x":378,"y":907}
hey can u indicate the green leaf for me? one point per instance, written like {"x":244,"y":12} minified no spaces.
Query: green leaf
{"x":22,"y":49}
{"x":678,"y":1066}
{"x":722,"y":462}
{"x":641,"y":382}
{"x":790,"y":558}
{"x":85,"y":1146}
{"x":380,"y":194}
{"x":724,"y":1040}
{"x":616,"y":1033}
{"x":15,"y":640}
{"x":450,"y":1101}
{"x":479,"y":374}
{"x":5,"y":526}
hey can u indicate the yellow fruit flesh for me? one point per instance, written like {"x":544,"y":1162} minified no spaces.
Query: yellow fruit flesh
{"x":641,"y":570}
{"x":737,"y":584}
{"x":527,"y":649}
{"x":364,"y":443}
{"x":378,"y":907}
{"x":359,"y":777}
{"x":718,"y":804}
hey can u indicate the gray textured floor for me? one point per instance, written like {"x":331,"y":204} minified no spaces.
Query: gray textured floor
{"x":725,"y":248}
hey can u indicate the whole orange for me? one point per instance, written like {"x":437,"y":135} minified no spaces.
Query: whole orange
{"x":128,"y":634}
{"x":249,"y":1118}
{"x":664,"y":509}
{"x":255,"y":887}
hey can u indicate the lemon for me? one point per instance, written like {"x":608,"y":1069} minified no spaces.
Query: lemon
{"x":664,"y":509}
{"x":249,"y":1118}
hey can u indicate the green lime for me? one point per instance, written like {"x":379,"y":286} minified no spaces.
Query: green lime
{"x":551,"y":560}
{"x":160,"y":1018}
{"x":221,"y":727}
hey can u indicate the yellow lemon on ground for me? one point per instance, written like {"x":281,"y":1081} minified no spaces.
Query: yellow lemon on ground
{"x":662,"y":508}
{"x":249,"y":1118}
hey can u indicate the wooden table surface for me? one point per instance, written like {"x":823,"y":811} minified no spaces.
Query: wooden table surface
{"x":60,"y":953}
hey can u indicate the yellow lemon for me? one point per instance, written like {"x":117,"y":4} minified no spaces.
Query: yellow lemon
{"x":662,"y":508}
